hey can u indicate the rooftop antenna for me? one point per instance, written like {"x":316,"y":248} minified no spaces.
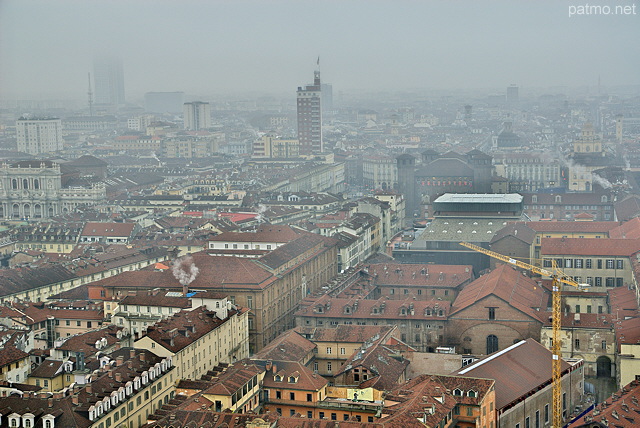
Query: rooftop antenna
{"x":90,"y":95}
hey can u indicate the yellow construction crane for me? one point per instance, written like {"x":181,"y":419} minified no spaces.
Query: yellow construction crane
{"x":557,"y":277}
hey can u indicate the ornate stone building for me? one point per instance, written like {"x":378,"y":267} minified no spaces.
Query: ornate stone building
{"x":34,"y":190}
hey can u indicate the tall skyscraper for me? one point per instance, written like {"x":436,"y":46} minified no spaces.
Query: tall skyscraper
{"x":108,"y":80}
{"x":197,"y":115}
{"x":512,"y":95}
{"x":39,"y":135}
{"x":310,"y":117}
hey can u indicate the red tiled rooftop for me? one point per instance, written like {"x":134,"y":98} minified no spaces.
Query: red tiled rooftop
{"x":589,"y":247}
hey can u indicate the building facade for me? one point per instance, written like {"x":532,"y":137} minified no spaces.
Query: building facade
{"x":34,"y":190}
{"x":108,"y":81}
{"x":39,"y":135}
{"x":309,"y":113}
{"x":197,"y":115}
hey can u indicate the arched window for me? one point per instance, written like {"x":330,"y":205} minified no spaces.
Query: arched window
{"x":16,"y":211}
{"x":492,"y":343}
{"x":25,"y":183}
{"x":14,"y":184}
{"x":36,"y":184}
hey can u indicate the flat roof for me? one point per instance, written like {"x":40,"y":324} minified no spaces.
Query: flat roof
{"x":480,"y":198}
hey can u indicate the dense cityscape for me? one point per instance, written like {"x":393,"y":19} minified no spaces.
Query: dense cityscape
{"x":319,"y":257}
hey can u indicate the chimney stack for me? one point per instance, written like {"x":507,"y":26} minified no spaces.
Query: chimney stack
{"x":118,"y":377}
{"x":119,"y":360}
{"x":88,"y":387}
{"x":75,"y":400}
{"x":142,"y":356}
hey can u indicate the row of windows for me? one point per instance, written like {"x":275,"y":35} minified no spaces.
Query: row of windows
{"x":585,"y":263}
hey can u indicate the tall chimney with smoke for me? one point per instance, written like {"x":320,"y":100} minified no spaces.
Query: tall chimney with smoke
{"x":185,"y":271}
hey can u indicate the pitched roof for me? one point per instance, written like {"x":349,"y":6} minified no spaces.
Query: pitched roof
{"x":519,"y":291}
{"x":628,"y":208}
{"x":334,"y":307}
{"x":48,"y":368}
{"x":518,"y":370}
{"x":517,"y":230}
{"x":289,"y":346}
{"x":621,"y":410}
{"x":572,"y":226}
{"x":589,"y":247}
{"x":86,"y":342}
{"x":11,"y":354}
{"x":108,"y":229}
{"x":345,"y":333}
{"x":304,"y":378}
{"x":233,"y":378}
{"x":184,"y":328}
{"x":421,"y":275}
{"x":629,"y":229}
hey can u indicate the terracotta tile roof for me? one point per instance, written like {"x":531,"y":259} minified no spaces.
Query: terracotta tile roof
{"x":517,"y":230}
{"x":573,"y":320}
{"x":620,"y":411}
{"x":196,"y":385}
{"x":20,"y":279}
{"x":623,"y":303}
{"x":589,"y":247}
{"x":48,"y":369}
{"x":627,"y":331}
{"x":184,"y":328}
{"x":11,"y":354}
{"x":628,"y":208}
{"x":62,"y":409}
{"x":86,"y":342}
{"x":422,"y":397}
{"x":517,"y":370}
{"x":378,"y":359}
{"x":304,"y":378}
{"x":216,"y":272}
{"x":420,"y":275}
{"x":345,"y":333}
{"x":233,"y":378}
{"x":285,"y":253}
{"x":629,"y":230}
{"x":108,"y":229}
{"x":375,"y":309}
{"x":289,"y":346}
{"x":519,"y":291}
{"x":265,"y":233}
{"x":572,"y":226}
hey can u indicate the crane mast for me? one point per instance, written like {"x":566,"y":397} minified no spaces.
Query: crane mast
{"x":558,"y":278}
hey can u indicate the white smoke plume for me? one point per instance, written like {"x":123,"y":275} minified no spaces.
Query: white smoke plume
{"x":575,"y":168}
{"x":261,"y":210}
{"x":184,"y":270}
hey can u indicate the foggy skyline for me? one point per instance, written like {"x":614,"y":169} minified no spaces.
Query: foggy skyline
{"x":205,"y":47}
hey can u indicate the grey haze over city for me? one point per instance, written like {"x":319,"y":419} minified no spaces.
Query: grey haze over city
{"x":211,"y":47}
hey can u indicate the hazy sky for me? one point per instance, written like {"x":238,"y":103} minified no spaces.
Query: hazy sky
{"x":206,"y":47}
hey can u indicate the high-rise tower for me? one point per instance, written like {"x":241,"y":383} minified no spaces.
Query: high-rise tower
{"x":310,"y":117}
{"x":197,"y":115}
{"x":108,"y":78}
{"x":39,"y":135}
